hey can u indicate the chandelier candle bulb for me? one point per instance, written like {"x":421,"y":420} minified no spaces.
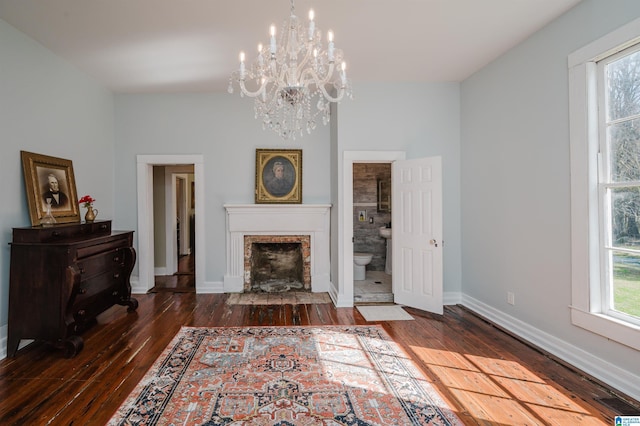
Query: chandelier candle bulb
{"x":242,"y":70}
{"x":331,"y":48}
{"x":312,"y":24}
{"x":272,"y":45}
{"x":260,"y":60}
{"x":343,"y":74}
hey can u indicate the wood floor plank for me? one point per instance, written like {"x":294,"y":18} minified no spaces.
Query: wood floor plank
{"x":486,"y":375}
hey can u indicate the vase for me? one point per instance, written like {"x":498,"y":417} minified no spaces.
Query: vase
{"x":48,"y":219}
{"x":91,"y":214}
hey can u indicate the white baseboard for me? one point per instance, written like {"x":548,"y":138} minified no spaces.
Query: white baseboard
{"x":160,"y":271}
{"x":452,"y":298}
{"x":3,"y":342}
{"x":622,"y":380}
{"x":136,"y":287}
{"x":210,"y":287}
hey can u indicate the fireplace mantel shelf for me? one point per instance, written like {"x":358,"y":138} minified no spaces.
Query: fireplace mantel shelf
{"x":278,"y":219}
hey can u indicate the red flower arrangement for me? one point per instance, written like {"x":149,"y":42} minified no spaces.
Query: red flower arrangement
{"x":87,"y":200}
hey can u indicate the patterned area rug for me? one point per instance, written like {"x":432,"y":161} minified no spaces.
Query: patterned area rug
{"x":315,"y":376}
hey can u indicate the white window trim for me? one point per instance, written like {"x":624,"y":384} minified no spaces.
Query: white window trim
{"x":583,"y":126}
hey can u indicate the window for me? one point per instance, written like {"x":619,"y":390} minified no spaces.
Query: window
{"x":619,"y":184}
{"x":604,"y":85}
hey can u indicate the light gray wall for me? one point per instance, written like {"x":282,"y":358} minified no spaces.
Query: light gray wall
{"x":220,"y":127}
{"x":515,"y":178}
{"x":422,"y":119}
{"x":48,"y":107}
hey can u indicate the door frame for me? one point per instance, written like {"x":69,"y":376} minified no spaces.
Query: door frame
{"x":145,"y":252}
{"x":346,"y":293}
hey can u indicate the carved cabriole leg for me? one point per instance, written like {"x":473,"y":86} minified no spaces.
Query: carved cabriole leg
{"x":129,"y":261}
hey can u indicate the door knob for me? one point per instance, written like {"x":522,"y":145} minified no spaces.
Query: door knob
{"x":433,"y":243}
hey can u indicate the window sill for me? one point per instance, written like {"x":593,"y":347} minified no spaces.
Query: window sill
{"x":606,"y":326}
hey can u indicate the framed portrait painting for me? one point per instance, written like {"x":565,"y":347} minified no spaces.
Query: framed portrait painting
{"x":49,"y":181}
{"x":278,"y":176}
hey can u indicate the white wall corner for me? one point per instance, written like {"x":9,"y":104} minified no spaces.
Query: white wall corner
{"x":452,"y":298}
{"x":622,"y":380}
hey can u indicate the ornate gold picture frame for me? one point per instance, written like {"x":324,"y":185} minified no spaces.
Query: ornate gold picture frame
{"x":278,"y":176}
{"x":50,"y":180}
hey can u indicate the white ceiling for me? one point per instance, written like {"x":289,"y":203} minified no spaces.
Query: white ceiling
{"x":193,"y":45}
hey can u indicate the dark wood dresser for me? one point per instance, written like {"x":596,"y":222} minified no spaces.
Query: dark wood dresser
{"x":62,"y":277}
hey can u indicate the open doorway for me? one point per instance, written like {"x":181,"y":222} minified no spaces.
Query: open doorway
{"x":372,"y":276}
{"x":345,"y":295}
{"x":174,"y":224}
{"x":146,"y":218}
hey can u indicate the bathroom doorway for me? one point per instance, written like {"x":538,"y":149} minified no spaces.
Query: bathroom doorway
{"x":372,"y":233}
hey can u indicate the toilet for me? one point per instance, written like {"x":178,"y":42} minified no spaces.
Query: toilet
{"x":360,"y":261}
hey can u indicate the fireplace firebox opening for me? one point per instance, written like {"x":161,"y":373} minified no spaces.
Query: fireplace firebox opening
{"x":275,"y":264}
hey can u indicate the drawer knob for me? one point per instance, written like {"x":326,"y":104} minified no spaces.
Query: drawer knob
{"x":116,"y":275}
{"x":103,"y":226}
{"x":82,"y":291}
{"x":81,"y":313}
{"x":116,"y":259}
{"x":55,"y":233}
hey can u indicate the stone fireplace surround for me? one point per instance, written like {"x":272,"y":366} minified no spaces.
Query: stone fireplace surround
{"x":277,"y":220}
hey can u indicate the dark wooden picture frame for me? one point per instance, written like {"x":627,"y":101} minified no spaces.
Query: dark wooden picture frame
{"x":41,"y":174}
{"x":278,"y":176}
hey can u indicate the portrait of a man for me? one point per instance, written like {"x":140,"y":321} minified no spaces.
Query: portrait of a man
{"x":51,"y":188}
{"x":53,"y":194}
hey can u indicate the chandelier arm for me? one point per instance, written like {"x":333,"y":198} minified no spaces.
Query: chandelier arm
{"x":330,"y":98}
{"x":249,"y":93}
{"x":315,"y":78}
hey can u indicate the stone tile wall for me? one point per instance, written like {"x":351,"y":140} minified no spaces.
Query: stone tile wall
{"x":365,"y":197}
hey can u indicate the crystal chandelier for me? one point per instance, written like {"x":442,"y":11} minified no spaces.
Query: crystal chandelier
{"x":295,"y":79}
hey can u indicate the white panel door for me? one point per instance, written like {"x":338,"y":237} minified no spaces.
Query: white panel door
{"x":417,"y":233}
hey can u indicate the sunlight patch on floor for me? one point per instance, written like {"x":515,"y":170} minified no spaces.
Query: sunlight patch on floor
{"x":502,"y":391}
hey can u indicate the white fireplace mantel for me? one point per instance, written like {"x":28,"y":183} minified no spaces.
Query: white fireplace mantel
{"x":281,"y":219}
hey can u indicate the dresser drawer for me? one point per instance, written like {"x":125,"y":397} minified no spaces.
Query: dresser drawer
{"x":103,"y":247}
{"x":106,"y":282}
{"x":93,"y":265}
{"x":61,"y":232}
{"x":92,"y":306}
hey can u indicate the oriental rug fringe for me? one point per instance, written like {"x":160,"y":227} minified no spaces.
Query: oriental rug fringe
{"x":306,"y":375}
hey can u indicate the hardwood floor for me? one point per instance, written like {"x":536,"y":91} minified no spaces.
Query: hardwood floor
{"x":489,"y":377}
{"x":182,"y":281}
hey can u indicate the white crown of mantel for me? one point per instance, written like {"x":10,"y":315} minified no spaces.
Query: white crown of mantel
{"x":282,"y":219}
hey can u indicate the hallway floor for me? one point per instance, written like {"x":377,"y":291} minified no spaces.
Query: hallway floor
{"x":182,"y":281}
{"x":376,"y":288}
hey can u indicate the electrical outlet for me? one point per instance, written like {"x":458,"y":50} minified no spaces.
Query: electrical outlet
{"x":511,"y":298}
